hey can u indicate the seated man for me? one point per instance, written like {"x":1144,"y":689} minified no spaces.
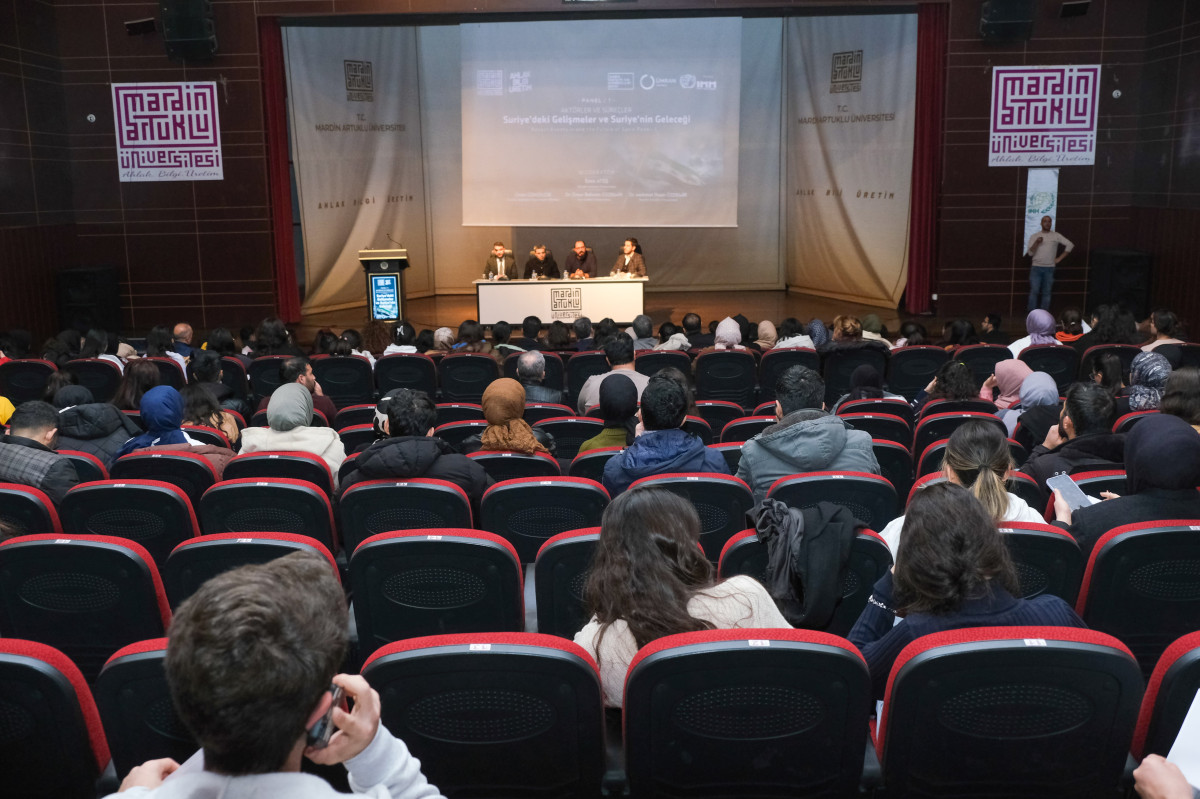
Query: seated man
{"x":805,"y":439}
{"x":664,"y":448}
{"x":541,"y":263}
{"x":249,"y":664}
{"x":299,"y":370}
{"x":1083,"y":436}
{"x":618,"y":350}
{"x":696,"y":337}
{"x":27,"y":453}
{"x":531,"y":326}
{"x":583,"y":334}
{"x":181,"y":338}
{"x":990,"y":332}
{"x":630,"y":260}
{"x":581,"y":263}
{"x":531,"y":371}
{"x":407,"y":418}
{"x":500,"y":263}
{"x":643,"y":333}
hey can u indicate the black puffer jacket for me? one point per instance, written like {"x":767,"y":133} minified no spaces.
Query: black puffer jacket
{"x":419,"y":456}
{"x":97,"y":428}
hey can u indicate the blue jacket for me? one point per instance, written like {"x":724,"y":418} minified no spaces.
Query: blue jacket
{"x":661,"y":452}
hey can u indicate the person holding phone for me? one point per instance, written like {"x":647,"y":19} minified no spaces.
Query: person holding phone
{"x":251,"y":659}
{"x":1162,"y":468}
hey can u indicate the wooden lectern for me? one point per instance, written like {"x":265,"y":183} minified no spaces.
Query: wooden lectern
{"x":385,"y":282}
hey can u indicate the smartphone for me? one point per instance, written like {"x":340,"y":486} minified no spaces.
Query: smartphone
{"x":320,"y":732}
{"x":1070,"y":491}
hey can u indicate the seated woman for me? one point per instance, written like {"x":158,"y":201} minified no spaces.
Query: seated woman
{"x":1148,"y":373}
{"x":1181,"y":397}
{"x":1004,"y":386}
{"x":952,"y":571}
{"x":792,"y":334}
{"x":618,"y":409}
{"x":162,"y":414}
{"x":1162,"y":470}
{"x":1041,"y":327}
{"x":978,"y":459}
{"x":1036,"y":413}
{"x":139,"y":377}
{"x":507,"y":431}
{"x":953,"y":381}
{"x":290,"y":415}
{"x":201,"y":408}
{"x":650,"y":579}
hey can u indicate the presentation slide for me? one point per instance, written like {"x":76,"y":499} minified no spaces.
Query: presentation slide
{"x":601,"y":123}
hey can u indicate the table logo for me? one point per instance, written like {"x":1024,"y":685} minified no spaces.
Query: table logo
{"x":566,"y":303}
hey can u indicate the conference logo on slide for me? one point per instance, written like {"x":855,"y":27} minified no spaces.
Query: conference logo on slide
{"x":360,"y":82}
{"x":847,"y":72}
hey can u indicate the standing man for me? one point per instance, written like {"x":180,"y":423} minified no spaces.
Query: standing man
{"x":1043,"y":246}
{"x":541,"y":263}
{"x":501,"y":263}
{"x":630,"y":260}
{"x":581,"y":263}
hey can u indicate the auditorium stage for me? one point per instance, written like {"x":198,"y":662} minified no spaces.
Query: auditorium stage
{"x":447,"y":310}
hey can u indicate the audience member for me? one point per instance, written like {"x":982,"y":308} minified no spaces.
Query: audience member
{"x":162,"y":415}
{"x":139,"y":377}
{"x":1108,"y":372}
{"x":1181,"y":397}
{"x":1148,"y":375}
{"x":220,"y":341}
{"x":160,"y":343}
{"x":1109,"y":326}
{"x":272,"y":338}
{"x":1037,"y":412}
{"x":531,"y":371}
{"x":847,"y":335}
{"x":1158,"y":778}
{"x":913,"y":334}
{"x":290,"y":415}
{"x":865,"y":383}
{"x":1165,"y":328}
{"x":618,"y":409}
{"x":350,"y":342}
{"x":531,"y":326}
{"x":605,"y":329}
{"x":503,"y":405}
{"x":958,"y":333}
{"x":1040,"y":326}
{"x":558,"y":337}
{"x":989,"y":330}
{"x":404,"y":337}
{"x":649,"y":578}
{"x":978,"y":459}
{"x":85,"y":425}
{"x":205,"y":369}
{"x":672,"y":338}
{"x":618,"y":350}
{"x":1004,"y":386}
{"x":767,"y":335}
{"x":59,"y":380}
{"x":1071,"y":323}
{"x":695,"y":333}
{"x":583,"y":334}
{"x":470,"y":338}
{"x":410,"y":449}
{"x":642,"y":332}
{"x":792,"y":334}
{"x":298,"y":369}
{"x":501,"y":346}
{"x":181,"y":337}
{"x":1162,"y":468}
{"x":954,"y":381}
{"x":952,"y":572}
{"x":324,"y":342}
{"x":1081,"y":438}
{"x":249,"y":664}
{"x":664,"y":448}
{"x":805,"y":439}
{"x":6,"y":410}
{"x":28,"y":453}
{"x":201,"y":407}
{"x":873,"y":329}
{"x":376,"y":337}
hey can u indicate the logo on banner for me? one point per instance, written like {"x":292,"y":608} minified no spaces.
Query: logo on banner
{"x":167,"y":131}
{"x":1044,"y":116}
{"x":360,"y":82}
{"x":566,"y":303}
{"x":847,"y":72}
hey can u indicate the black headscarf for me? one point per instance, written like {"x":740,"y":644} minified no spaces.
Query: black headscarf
{"x":865,"y":383}
{"x":1162,"y":451}
{"x":69,"y":396}
{"x":618,"y":404}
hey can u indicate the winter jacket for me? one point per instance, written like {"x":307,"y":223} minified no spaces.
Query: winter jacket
{"x":406,"y":457}
{"x":322,"y":441}
{"x":806,"y":440}
{"x":661,"y":452}
{"x":31,"y":463}
{"x":97,"y":428}
{"x":1097,"y":450}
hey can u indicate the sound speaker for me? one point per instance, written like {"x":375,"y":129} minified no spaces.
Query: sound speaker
{"x":1074,"y":8}
{"x":1006,"y":20}
{"x":188,"y":29}
{"x":1120,"y":277}
{"x":89,"y":297}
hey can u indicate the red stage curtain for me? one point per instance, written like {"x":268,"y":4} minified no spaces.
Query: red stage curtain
{"x":933,"y":23}
{"x":270,"y":48}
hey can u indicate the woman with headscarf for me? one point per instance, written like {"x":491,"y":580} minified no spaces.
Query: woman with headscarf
{"x":162,"y":415}
{"x":767,"y":336}
{"x":443,"y":341}
{"x":507,"y":431}
{"x":1040,"y":326}
{"x":618,"y":409}
{"x":865,"y":383}
{"x":1148,"y":375}
{"x":1162,"y":468}
{"x":728,"y":336}
{"x":818,"y":332}
{"x":290,"y":414}
{"x":1006,"y":383}
{"x":1037,"y":410}
{"x":792,"y":334}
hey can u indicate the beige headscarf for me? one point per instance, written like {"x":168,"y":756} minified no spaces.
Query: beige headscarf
{"x":504,"y":408}
{"x":443,"y":339}
{"x":766,"y":335}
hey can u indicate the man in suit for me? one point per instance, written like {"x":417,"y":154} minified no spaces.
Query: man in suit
{"x":501,"y":263}
{"x":581,"y":263}
{"x":630,"y":260}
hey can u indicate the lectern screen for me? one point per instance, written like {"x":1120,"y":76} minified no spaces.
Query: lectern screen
{"x":385,"y":297}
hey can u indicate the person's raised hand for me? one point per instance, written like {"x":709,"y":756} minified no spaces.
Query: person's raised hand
{"x":932,"y":383}
{"x":1037,"y":242}
{"x":150,"y":774}
{"x":1158,"y":778}
{"x":355,"y":729}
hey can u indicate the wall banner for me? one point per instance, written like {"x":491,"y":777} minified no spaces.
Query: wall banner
{"x":353,"y":100}
{"x":167,"y":131}
{"x":1041,"y":199}
{"x":851,"y":103}
{"x":1044,"y":116}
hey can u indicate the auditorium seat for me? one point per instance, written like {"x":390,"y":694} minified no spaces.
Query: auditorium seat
{"x":719,"y":413}
{"x":776,"y":362}
{"x":698,"y":427}
{"x":509,"y":465}
{"x":153,"y":513}
{"x":895,"y":463}
{"x":764,"y":712}
{"x":582,"y":366}
{"x":86,"y":595}
{"x":434,"y":582}
{"x":357,"y":436}
{"x":87,"y":466}
{"x":569,"y":433}
{"x":911,"y":368}
{"x":1126,"y":422}
{"x":170,"y":373}
{"x":463,"y":376}
{"x":527,"y":511}
{"x":721,"y":501}
{"x":957,"y":406}
{"x":1169,"y":695}
{"x":560,"y":571}
{"x":495,"y":714}
{"x":27,"y":510}
{"x":537,"y":411}
{"x":729,"y":375}
{"x":936,"y":426}
{"x":1009,"y":711}
{"x":353,"y":415}
{"x":409,"y":370}
{"x":207,"y":435}
{"x":1058,"y":361}
{"x":346,"y":379}
{"x":191,"y":472}
{"x":731,"y":451}
{"x":1047,"y":559}
{"x":455,"y":433}
{"x":269,"y":465}
{"x":981,"y":359}
{"x":448,"y":412}
{"x":746,"y":428}
{"x":878,"y":425}
{"x":590,"y":464}
{"x":648,"y":363}
{"x":1087,"y":361}
{"x":140,"y":720}
{"x":882,"y":405}
{"x":54,"y":744}
{"x":381,"y":506}
{"x":264,"y":374}
{"x":22,"y":380}
{"x":98,"y":375}
{"x":869,"y":497}
{"x":839,"y":365}
{"x":277,"y":504}
{"x":233,"y":375}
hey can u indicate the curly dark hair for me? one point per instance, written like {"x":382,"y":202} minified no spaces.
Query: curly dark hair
{"x":955,"y":381}
{"x":950,"y":551}
{"x":1182,"y":395}
{"x":647,"y":566}
{"x":139,"y":377}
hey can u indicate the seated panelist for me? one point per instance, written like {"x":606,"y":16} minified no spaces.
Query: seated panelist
{"x":541,"y":263}
{"x":581,"y":263}
{"x":500,"y":264}
{"x":630,"y":261}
